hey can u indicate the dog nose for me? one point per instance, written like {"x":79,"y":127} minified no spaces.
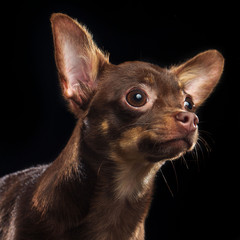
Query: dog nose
{"x":188,"y":120}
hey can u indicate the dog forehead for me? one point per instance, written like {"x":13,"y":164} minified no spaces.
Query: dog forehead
{"x":130,"y":73}
{"x":139,"y":71}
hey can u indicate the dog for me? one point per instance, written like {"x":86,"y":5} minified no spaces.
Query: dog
{"x":131,"y":119}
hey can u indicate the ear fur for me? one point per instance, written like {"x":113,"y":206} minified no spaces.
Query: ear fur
{"x":199,"y":75}
{"x":78,"y":60}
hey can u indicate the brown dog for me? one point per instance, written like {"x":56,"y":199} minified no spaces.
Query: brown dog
{"x":132,"y":118}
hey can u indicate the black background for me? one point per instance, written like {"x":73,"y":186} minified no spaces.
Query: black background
{"x":204,"y":203}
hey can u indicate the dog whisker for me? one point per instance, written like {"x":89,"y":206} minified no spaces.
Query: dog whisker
{"x":165,"y":180}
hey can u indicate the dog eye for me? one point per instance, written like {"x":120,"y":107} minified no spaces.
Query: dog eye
{"x":188,"y":104}
{"x":136,"y":98}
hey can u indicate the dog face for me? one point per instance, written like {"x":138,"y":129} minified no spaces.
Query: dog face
{"x":134,"y":114}
{"x":134,"y":111}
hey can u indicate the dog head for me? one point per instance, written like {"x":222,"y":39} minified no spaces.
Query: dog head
{"x":134,"y":111}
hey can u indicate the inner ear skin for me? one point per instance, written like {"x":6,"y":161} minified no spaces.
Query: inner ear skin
{"x":200,"y":75}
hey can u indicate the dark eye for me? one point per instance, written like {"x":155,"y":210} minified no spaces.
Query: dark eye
{"x":137,"y":98}
{"x":188,"y":104}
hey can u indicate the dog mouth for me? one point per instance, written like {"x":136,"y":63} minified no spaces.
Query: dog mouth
{"x":166,"y":150}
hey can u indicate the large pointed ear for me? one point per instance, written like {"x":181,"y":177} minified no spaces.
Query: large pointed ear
{"x":78,"y":61}
{"x":199,"y":75}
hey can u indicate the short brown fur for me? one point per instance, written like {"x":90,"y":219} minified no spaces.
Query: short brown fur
{"x":132,"y":118}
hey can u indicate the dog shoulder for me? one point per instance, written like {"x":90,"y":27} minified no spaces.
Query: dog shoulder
{"x":12,"y":187}
{"x":19,"y":178}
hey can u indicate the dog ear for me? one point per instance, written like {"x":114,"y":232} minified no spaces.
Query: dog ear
{"x":199,"y":75}
{"x":78,"y":61}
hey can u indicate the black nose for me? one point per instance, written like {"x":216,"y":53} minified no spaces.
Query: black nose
{"x":187,"y":120}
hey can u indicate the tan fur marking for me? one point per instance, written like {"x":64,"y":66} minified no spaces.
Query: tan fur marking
{"x":149,"y":78}
{"x":105,"y":126}
{"x":133,"y":180}
{"x":125,"y":150}
{"x":135,"y":175}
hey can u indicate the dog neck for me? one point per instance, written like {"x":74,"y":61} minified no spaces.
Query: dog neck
{"x":122,"y":197}
{"x":125,"y":177}
{"x":102,"y":189}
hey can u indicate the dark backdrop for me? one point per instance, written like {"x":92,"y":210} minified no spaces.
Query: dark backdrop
{"x":203,"y":200}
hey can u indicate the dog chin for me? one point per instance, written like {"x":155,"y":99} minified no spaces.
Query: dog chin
{"x":169,"y":150}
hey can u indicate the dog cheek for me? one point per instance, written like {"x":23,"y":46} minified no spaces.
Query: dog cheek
{"x":125,"y":149}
